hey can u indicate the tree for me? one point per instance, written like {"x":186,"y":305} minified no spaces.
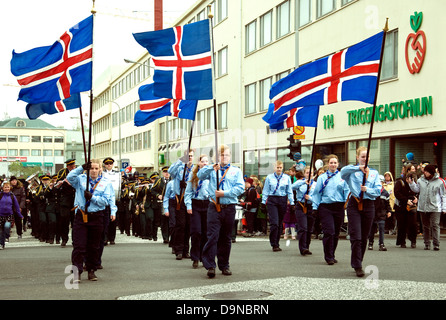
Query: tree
{"x":17,"y":169}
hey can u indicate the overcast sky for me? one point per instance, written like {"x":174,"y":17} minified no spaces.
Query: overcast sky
{"x":27,"y":24}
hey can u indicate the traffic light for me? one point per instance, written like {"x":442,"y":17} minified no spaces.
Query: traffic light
{"x":294,"y":146}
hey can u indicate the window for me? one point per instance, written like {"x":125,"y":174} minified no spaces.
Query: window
{"x":223,"y":61}
{"x":344,"y":2}
{"x":251,"y":36}
{"x":162,"y":132}
{"x":390,"y":57}
{"x":265,"y":86}
{"x":2,"y":152}
{"x":47,"y":152}
{"x":24,"y":139}
{"x":304,"y":12}
{"x":201,"y":15}
{"x":2,"y":138}
{"x":13,"y":152}
{"x":282,"y":75}
{"x":222,"y":12}
{"x":36,"y":139}
{"x":266,"y":28}
{"x":20,"y":124}
{"x":24,"y":152}
{"x":210,"y":119}
{"x":58,"y":139}
{"x":13,"y":138}
{"x":36,"y":152}
{"x":48,"y":139}
{"x":222,"y":115}
{"x":59,"y":153}
{"x":324,"y":7}
{"x":283,"y":19}
{"x":201,"y":122}
{"x":250,"y":98}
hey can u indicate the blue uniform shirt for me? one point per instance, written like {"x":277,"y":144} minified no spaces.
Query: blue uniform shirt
{"x":300,"y":186}
{"x":354,"y":176}
{"x":169,"y":193}
{"x":232,"y":184}
{"x":201,"y":192}
{"x":336,"y":190}
{"x":277,"y":187}
{"x":103,"y":194}
{"x":176,"y":173}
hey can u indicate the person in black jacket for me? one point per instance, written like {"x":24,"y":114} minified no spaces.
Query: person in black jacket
{"x":251,"y":203}
{"x":405,"y":209}
{"x":382,"y":212}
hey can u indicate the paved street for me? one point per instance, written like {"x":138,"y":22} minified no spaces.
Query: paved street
{"x":136,"y":269}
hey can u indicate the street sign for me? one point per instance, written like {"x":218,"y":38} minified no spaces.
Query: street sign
{"x":298,"y":130}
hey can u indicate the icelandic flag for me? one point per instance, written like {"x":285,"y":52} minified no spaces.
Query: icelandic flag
{"x":183,"y":61}
{"x":152,"y":107}
{"x":351,"y":74}
{"x":301,"y":116}
{"x":36,"y":110}
{"x":54,"y":73}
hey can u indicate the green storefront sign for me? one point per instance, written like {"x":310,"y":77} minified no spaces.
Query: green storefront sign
{"x":386,"y":112}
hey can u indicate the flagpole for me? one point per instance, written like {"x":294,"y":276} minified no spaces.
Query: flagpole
{"x":185,"y":165}
{"x":93,"y":12}
{"x":313,"y":151}
{"x":386,"y":29}
{"x":83,"y":133}
{"x":210,"y":16}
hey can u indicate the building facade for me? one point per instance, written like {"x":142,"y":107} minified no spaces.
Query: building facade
{"x":257,"y":43}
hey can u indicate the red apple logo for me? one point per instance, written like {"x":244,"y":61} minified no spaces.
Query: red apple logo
{"x":415,"y":49}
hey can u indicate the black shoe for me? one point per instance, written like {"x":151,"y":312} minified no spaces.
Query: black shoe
{"x":305,"y":252}
{"x":64,"y":244}
{"x":359,"y":272}
{"x":92,"y":276}
{"x":330,"y":262}
{"x":179,"y":256}
{"x":275,"y":249}
{"x":195,"y":264}
{"x":226,"y":272}
{"x":211,"y":272}
{"x":186,"y":255}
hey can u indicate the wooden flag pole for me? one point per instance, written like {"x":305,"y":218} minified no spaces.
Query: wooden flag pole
{"x":313,"y":151}
{"x":217,"y":204}
{"x":83,"y":133}
{"x":364,"y":180}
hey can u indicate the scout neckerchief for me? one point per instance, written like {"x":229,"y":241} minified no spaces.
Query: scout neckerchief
{"x":329,"y":176}
{"x":278,"y":181}
{"x":223,"y":170}
{"x":93,"y":185}
{"x":200,"y":182}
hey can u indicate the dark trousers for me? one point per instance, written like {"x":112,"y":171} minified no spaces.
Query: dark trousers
{"x":172,"y":204}
{"x":276,"y":211}
{"x":359,"y":225}
{"x":181,"y":230}
{"x":156,"y":222}
{"x":64,"y":222}
{"x":331,"y":216}
{"x":406,"y":223}
{"x":219,"y":229}
{"x":145,"y":219}
{"x":86,"y":240}
{"x":198,"y":228}
{"x":305,"y":224}
{"x":51,"y":223}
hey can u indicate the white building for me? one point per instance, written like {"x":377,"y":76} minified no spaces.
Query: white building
{"x":258,"y":42}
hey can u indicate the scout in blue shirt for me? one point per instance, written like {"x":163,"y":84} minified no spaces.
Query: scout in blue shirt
{"x":221,"y":218}
{"x":276,"y":194}
{"x":361,"y":206}
{"x":328,"y":198}
{"x":304,"y":213}
{"x":181,"y":233}
{"x":197,"y":203}
{"x":89,"y":216}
